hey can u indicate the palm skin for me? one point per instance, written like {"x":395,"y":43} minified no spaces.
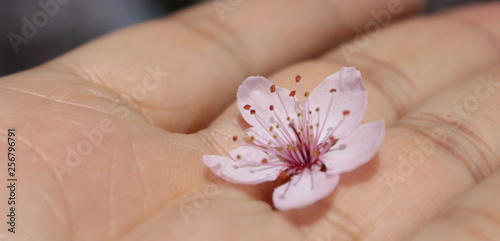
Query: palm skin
{"x":104,"y":154}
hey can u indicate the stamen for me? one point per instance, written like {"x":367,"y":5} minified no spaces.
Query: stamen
{"x":298,"y":179}
{"x":306,"y":108}
{"x":312,"y":181}
{"x":298,"y":157}
{"x":259,"y":120}
{"x":298,"y":145}
{"x":254,"y":140}
{"x":273,"y":89}
{"x":286,"y":136}
{"x":264,"y":168}
{"x":331,"y":130}
{"x":319,"y":131}
{"x":246,"y":163}
{"x":327,"y":144}
{"x":295,"y":151}
{"x":340,"y":148}
{"x":275,"y":137}
{"x":276,"y":151}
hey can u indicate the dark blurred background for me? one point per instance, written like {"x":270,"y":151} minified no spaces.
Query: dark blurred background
{"x":73,"y":22}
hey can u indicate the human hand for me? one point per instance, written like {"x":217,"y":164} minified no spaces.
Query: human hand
{"x":103,"y":154}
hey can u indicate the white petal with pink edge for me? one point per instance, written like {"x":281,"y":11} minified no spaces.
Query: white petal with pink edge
{"x":356,"y":149}
{"x":304,"y":189}
{"x":255,"y":94}
{"x":248,"y":166}
{"x":341,"y":99}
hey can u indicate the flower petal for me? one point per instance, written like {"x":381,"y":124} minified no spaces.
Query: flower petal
{"x":304,"y":189}
{"x":356,"y":149}
{"x":248,"y":167}
{"x":342,"y":91}
{"x":255,"y":94}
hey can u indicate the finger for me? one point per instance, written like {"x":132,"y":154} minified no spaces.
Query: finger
{"x":428,"y":159}
{"x":402,"y":194}
{"x":408,"y":70}
{"x":410,"y":62}
{"x":473,"y":216}
{"x":182,"y":71}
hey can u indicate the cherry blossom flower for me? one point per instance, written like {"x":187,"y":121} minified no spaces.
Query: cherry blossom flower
{"x":307,"y":142}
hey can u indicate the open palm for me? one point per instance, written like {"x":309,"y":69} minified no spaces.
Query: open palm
{"x":104,"y":154}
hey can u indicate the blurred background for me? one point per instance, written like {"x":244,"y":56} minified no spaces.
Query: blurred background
{"x":65,"y":24}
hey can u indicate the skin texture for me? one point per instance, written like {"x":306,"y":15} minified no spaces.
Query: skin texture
{"x":139,"y":176}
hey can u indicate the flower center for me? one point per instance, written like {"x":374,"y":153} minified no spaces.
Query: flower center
{"x":298,"y":141}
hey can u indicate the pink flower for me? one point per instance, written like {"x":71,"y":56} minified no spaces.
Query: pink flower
{"x":308,"y":142}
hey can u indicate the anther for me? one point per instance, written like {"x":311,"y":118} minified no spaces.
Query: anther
{"x":333,"y":90}
{"x":317,"y":109}
{"x":298,"y":78}
{"x":271,"y":107}
{"x":247,"y":107}
{"x":235,"y":138}
{"x":264,"y":160}
{"x":346,"y":112}
{"x":323,"y":167}
{"x":238,"y":157}
{"x":272,"y":88}
{"x":333,"y":140}
{"x":292,"y":93}
{"x":252,"y":112}
{"x":306,"y":94}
